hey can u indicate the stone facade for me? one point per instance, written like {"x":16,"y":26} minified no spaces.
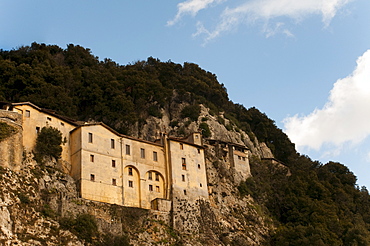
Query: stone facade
{"x":11,"y":148}
{"x":118,"y":169}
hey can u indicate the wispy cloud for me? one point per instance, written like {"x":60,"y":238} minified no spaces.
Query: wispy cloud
{"x":191,"y":7}
{"x":343,"y":120}
{"x":251,"y":11}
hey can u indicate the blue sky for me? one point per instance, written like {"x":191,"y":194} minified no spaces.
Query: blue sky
{"x":303,"y":63}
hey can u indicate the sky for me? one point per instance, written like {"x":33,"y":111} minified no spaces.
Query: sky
{"x":306,"y":64}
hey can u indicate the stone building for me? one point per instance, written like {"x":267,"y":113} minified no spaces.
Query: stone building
{"x":118,"y":169}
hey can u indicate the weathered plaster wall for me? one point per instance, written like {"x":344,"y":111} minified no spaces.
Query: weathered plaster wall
{"x":34,"y":118}
{"x":11,"y":149}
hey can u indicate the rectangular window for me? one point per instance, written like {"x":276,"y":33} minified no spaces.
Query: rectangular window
{"x":243,"y":158}
{"x":198,"y":151}
{"x":92,"y":177}
{"x":92,"y":158}
{"x":61,"y":123}
{"x":183,"y":178}
{"x":130,"y":171}
{"x":128,"y":150}
{"x":142,"y":153}
{"x":28,"y":113}
{"x":48,"y":118}
{"x":131,"y":183}
{"x":198,"y":166}
{"x":150,"y":187}
{"x":114,"y":182}
{"x":157,"y":177}
{"x":90,"y":137}
{"x":183,"y":161}
{"x":157,"y":189}
{"x":181,"y":146}
{"x":37,"y":130}
{"x":155,"y":156}
{"x":150,"y":175}
{"x":112,"y":143}
{"x":113,"y":163}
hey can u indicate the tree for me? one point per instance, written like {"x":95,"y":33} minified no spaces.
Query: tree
{"x":48,"y":143}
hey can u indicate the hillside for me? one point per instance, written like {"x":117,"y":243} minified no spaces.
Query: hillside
{"x":297,"y":201}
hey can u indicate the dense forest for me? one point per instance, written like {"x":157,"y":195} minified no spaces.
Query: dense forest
{"x":316,"y":205}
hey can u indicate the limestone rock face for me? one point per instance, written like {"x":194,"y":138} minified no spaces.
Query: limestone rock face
{"x":40,"y":204}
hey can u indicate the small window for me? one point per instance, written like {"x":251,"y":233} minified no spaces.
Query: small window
{"x":142,"y":153}
{"x":92,"y":158}
{"x":200,"y":184}
{"x":183,"y":161}
{"x":183,"y":178}
{"x":130,"y":183}
{"x":28,"y":113}
{"x":150,"y":175}
{"x":198,"y":151}
{"x":90,"y":137}
{"x":157,"y":189}
{"x":113,"y":163}
{"x":114,"y":182}
{"x":243,"y":158}
{"x":185,"y":192}
{"x":181,"y":146}
{"x":130,"y":171}
{"x":198,"y":166}
{"x":150,"y":187}
{"x":37,"y":130}
{"x":48,"y":118}
{"x":92,"y":177}
{"x":128,"y":151}
{"x":196,"y":136}
{"x":156,"y":176}
{"x":239,"y":158}
{"x":61,"y":123}
{"x":112,"y":144}
{"x":155,"y":156}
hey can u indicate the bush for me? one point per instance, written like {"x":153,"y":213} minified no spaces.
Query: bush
{"x":206,"y":132}
{"x":84,"y":226}
{"x":191,"y":111}
{"x":6,"y":130}
{"x":48,"y":143}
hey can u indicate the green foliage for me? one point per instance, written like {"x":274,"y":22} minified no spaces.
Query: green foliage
{"x":206,"y":132}
{"x":111,"y":240}
{"x":84,"y":225}
{"x":153,"y":110}
{"x":191,"y":111}
{"x":23,"y":198}
{"x":174,"y":123}
{"x":6,"y":131}
{"x":316,"y":205}
{"x":48,"y":143}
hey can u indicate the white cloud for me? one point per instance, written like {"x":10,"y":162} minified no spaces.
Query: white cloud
{"x":251,"y":11}
{"x":344,"y":119}
{"x":191,"y":7}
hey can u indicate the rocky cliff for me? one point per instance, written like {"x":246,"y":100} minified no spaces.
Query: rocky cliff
{"x":39,"y":203}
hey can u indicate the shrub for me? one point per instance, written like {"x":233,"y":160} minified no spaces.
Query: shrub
{"x":84,"y":226}
{"x":6,"y":130}
{"x":191,"y":111}
{"x":48,"y":143}
{"x":206,"y":132}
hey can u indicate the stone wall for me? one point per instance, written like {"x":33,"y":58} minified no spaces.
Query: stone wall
{"x":11,"y":148}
